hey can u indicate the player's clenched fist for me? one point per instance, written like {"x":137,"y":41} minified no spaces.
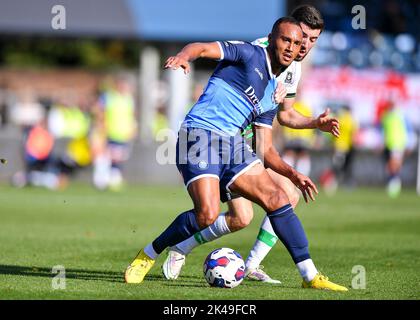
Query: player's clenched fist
{"x":280,"y":93}
{"x":176,"y":62}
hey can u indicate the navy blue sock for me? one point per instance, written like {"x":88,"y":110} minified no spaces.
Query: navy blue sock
{"x":289,"y":230}
{"x":183,"y":227}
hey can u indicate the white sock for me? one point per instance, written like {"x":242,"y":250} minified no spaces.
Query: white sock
{"x":266,"y":239}
{"x":151,"y":252}
{"x":36,"y":177}
{"x":186,"y":246}
{"x":101,"y":172}
{"x":214,"y":231}
{"x":116,"y":177}
{"x":51,"y":181}
{"x":307,"y":269}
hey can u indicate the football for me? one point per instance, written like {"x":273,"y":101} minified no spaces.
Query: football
{"x":224,"y":268}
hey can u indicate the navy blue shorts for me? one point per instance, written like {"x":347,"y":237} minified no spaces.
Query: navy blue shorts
{"x":202,"y":153}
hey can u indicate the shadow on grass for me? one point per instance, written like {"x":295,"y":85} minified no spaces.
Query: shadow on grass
{"x":111,"y":276}
{"x":81,"y":274}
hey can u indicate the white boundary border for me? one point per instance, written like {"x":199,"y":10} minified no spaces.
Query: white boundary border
{"x":263,"y":125}
{"x":241,"y":172}
{"x":205,"y":175}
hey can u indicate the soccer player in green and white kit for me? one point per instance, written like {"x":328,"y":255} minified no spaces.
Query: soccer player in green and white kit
{"x":312,"y":24}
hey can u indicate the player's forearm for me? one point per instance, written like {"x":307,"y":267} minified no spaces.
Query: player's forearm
{"x":273,"y":161}
{"x":197,"y":50}
{"x":293,"y":119}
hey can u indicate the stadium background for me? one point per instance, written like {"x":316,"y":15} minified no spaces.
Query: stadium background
{"x":356,"y":67}
{"x":132,"y":38}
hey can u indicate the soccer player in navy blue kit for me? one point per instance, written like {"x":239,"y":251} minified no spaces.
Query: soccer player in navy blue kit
{"x":240,"y":210}
{"x":213,"y":157}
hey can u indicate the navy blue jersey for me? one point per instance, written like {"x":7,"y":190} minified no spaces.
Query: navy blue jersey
{"x":240,"y":89}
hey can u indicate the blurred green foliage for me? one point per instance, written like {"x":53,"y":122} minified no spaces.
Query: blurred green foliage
{"x":87,"y":53}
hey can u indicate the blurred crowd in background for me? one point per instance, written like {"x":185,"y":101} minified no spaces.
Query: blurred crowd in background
{"x":95,"y":131}
{"x":77,"y":102}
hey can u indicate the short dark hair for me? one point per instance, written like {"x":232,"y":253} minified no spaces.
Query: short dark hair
{"x":283,"y":20}
{"x":309,"y":15}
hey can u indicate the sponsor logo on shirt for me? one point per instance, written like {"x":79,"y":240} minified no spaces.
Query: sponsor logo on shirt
{"x":250,"y":92}
{"x":289,"y":77}
{"x":259,"y":73}
{"x":203,"y":165}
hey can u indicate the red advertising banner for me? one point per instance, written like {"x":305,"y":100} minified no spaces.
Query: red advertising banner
{"x":364,"y":91}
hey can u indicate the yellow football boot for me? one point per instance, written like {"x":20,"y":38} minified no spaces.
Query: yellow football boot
{"x":322,"y":282}
{"x":138,"y":269}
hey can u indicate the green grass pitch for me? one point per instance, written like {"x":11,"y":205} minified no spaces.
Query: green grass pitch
{"x":95,"y":235}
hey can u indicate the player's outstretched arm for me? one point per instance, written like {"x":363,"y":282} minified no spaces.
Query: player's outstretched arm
{"x":273,"y":160}
{"x":328,"y":124}
{"x":289,"y":117}
{"x":191,"y":52}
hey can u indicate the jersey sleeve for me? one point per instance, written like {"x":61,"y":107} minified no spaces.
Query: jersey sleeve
{"x":236,"y":51}
{"x":266,"y":119}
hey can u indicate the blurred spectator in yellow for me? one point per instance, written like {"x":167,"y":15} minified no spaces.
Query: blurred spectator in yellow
{"x":343,"y":147}
{"x":298,"y":142}
{"x":395,"y":142}
{"x":343,"y":152}
{"x":71,"y":121}
{"x":116,"y":112}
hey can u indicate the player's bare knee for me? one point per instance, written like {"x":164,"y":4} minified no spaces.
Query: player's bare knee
{"x":243,"y":221}
{"x":207,"y":215}
{"x":275,"y":199}
{"x":245,"y":217}
{"x":239,"y":222}
{"x":294,"y":198}
{"x":239,"y":217}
